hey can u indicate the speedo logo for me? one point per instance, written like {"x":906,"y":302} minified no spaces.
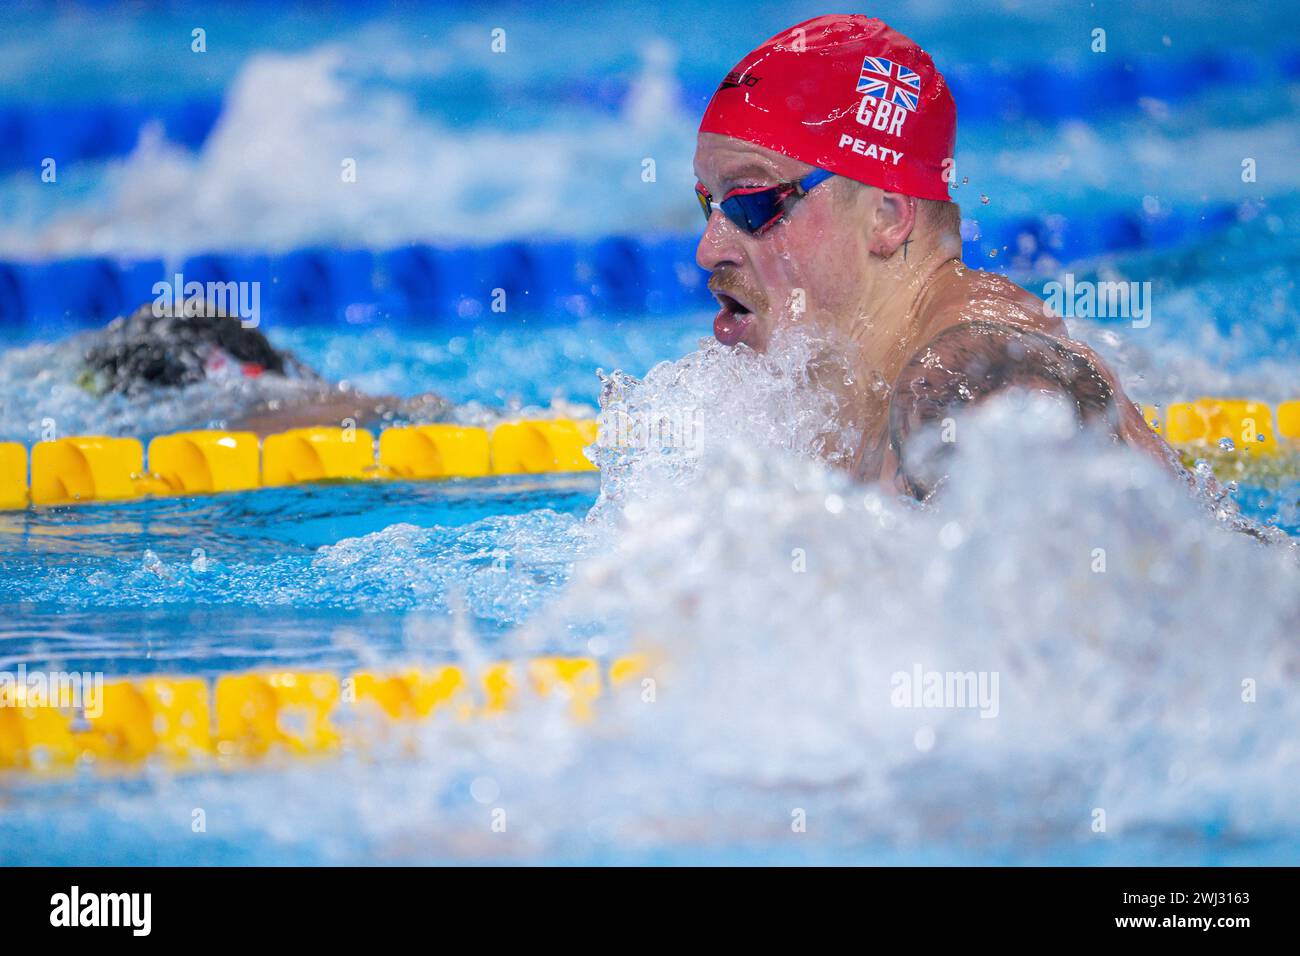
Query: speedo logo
{"x":733,"y":80}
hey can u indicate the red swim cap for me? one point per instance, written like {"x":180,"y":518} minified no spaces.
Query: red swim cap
{"x":848,"y":94}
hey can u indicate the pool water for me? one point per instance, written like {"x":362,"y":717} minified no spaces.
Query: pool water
{"x":343,"y":577}
{"x":781,"y":599}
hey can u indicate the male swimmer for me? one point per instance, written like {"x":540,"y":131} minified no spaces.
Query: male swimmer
{"x":155,"y":352}
{"x":823,"y":162}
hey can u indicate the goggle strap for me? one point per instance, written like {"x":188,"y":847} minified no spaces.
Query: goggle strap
{"x":813,"y":179}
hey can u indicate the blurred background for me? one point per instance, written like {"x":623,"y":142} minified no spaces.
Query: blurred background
{"x":547,"y":150}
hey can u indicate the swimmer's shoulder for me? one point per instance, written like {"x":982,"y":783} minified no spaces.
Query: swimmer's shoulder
{"x":968,"y":295}
{"x":978,"y":357}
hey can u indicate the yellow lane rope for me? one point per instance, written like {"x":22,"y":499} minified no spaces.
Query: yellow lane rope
{"x":97,"y":468}
{"x":52,"y":722}
{"x":1250,"y":426}
{"x":238,"y":717}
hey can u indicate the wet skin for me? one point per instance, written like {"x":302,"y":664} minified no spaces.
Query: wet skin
{"x":863,"y":268}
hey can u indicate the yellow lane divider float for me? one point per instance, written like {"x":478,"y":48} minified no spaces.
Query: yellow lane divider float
{"x":52,"y":725}
{"x":1235,"y":434}
{"x":198,"y":462}
{"x":97,"y":468}
{"x":1209,"y":421}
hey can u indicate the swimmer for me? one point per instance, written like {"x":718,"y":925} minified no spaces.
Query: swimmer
{"x":967,"y":363}
{"x":158,"y":352}
{"x":823,"y":162}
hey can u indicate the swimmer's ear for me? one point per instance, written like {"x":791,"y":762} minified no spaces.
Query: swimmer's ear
{"x":894,"y":220}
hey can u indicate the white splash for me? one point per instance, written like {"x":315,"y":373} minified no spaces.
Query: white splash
{"x":271,"y":175}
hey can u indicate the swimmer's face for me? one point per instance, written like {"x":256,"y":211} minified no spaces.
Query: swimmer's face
{"x":813,"y":267}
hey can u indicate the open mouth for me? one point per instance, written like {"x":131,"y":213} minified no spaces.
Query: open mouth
{"x":732,"y":320}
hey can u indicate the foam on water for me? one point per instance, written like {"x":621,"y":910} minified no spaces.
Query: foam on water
{"x":784,"y":599}
{"x":398,"y":568}
{"x":778,"y":603}
{"x":269,"y":176}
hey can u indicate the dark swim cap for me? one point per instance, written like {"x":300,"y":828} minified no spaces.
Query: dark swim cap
{"x":158,"y":348}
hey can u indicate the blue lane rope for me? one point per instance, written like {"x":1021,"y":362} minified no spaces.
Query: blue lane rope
{"x":655,"y":275}
{"x":68,"y":133}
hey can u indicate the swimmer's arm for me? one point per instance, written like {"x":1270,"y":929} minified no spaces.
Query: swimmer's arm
{"x":1022,"y":308}
{"x":927,"y":390}
{"x":1133,"y":428}
{"x":362,"y":410}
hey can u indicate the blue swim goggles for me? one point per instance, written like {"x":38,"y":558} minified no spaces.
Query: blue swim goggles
{"x":758,"y":209}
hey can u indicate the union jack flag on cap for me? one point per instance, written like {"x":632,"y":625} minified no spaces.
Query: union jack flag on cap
{"x":890,"y":81}
{"x":848,"y":94}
